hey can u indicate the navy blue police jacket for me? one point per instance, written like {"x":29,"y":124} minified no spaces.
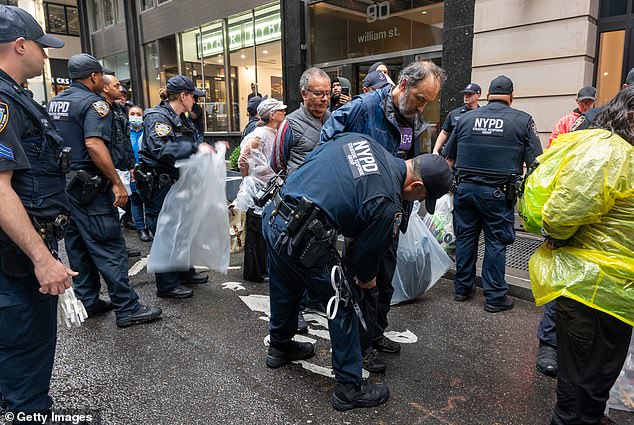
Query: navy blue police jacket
{"x":79,"y":114}
{"x":30,"y":148}
{"x":493,"y":142}
{"x":166,"y":138}
{"x":121,"y":148}
{"x":357,"y":184}
{"x":453,"y":117}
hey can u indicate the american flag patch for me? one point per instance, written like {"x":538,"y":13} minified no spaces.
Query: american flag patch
{"x":6,"y":152}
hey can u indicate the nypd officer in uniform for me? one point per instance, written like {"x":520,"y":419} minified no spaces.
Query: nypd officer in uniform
{"x":31,"y":190}
{"x":169,"y":135}
{"x":353,"y":186}
{"x":489,"y":148}
{"x":470,"y":97}
{"x":94,"y":242}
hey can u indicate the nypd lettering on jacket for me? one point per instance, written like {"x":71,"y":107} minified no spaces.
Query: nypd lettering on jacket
{"x":361,"y":158}
{"x":58,"y":109}
{"x":488,"y":126}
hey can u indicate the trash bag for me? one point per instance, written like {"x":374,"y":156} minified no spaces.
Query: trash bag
{"x":622,"y":393}
{"x":420,"y":262}
{"x":193,"y":222}
{"x":441,"y":223}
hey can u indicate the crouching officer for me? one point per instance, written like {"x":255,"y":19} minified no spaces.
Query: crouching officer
{"x":353,"y":186}
{"x":94,"y":242}
{"x":489,"y":148}
{"x":31,"y":192}
{"x":168,"y":135}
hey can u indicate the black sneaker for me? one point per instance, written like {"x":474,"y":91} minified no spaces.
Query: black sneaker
{"x":144,"y":314}
{"x":463,"y":298}
{"x":179,"y":292}
{"x":386,"y":345}
{"x":547,"y":360}
{"x":373,"y":363}
{"x":491,"y":308}
{"x":302,"y":326}
{"x":296,"y":351}
{"x":99,"y":308}
{"x":144,"y":236}
{"x":350,"y":396}
{"x":193,"y":278}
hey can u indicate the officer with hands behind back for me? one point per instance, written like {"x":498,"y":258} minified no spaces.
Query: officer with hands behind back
{"x":168,"y":135}
{"x":31,"y":194}
{"x":94,"y":241}
{"x":489,"y":148}
{"x":366,"y":186}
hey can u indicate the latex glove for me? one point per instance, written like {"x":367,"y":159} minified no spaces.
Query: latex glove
{"x":71,"y":310}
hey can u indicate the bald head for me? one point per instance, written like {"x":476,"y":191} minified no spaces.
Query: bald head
{"x":111,"y":88}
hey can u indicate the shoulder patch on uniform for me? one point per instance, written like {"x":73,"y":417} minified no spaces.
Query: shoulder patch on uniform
{"x":161,"y":129}
{"x":396,"y":224}
{"x":4,"y":116}
{"x":102,"y":107}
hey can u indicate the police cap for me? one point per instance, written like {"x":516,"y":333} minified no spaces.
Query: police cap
{"x":437,"y":177}
{"x":501,"y":85}
{"x":375,"y":80}
{"x":254,"y":102}
{"x":182,"y":84}
{"x":16,"y":23}
{"x":82,"y":65}
{"x":587,"y":92}
{"x":472,"y":88}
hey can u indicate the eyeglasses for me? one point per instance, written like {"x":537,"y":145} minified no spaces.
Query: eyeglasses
{"x":319,"y":94}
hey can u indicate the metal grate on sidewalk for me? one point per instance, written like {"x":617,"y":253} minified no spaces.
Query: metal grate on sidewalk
{"x":518,"y":253}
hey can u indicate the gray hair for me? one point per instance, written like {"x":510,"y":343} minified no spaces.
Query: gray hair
{"x":309,"y":75}
{"x":417,"y":71}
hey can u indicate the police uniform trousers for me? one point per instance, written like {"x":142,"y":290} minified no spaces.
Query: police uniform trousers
{"x":288,"y":279}
{"x":95,"y":245}
{"x":254,"y":267}
{"x":591,"y":349}
{"x":165,"y":282}
{"x":482,"y":208}
{"x":546,"y":329}
{"x":28,"y":334}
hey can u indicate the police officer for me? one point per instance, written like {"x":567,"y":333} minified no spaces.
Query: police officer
{"x":31,"y":190}
{"x":353,"y":186}
{"x":169,"y":135}
{"x":489,"y":147}
{"x":94,"y":242}
{"x":470,"y":97}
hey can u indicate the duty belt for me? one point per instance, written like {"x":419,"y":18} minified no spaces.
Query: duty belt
{"x":282,"y":208}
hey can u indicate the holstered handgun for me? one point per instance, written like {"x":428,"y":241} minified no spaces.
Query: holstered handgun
{"x":85,"y":186}
{"x":319,"y":244}
{"x":144,"y":182}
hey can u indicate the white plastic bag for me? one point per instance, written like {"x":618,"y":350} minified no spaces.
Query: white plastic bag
{"x":622,"y":393}
{"x":192,"y":228}
{"x":441,"y":223}
{"x":421,"y":261}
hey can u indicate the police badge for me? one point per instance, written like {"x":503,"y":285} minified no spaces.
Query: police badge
{"x":161,"y":129}
{"x":4,"y":115}
{"x":102,"y":107}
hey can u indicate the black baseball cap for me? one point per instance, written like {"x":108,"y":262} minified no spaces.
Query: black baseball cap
{"x":180,"y":84}
{"x":501,"y":85}
{"x":254,"y":102}
{"x":472,"y":88}
{"x":82,"y":65}
{"x":587,"y":92}
{"x":437,"y":177}
{"x":16,"y":23}
{"x":375,"y":80}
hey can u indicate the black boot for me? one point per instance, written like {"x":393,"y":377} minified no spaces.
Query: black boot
{"x":350,"y":396}
{"x":144,"y":236}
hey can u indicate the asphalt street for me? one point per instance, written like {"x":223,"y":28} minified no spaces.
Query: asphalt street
{"x":203,"y":363}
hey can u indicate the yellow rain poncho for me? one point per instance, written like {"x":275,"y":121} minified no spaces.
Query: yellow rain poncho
{"x":583,"y":191}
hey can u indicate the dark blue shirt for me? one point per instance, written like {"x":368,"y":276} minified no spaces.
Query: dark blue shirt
{"x":453,"y":117}
{"x":358,"y":185}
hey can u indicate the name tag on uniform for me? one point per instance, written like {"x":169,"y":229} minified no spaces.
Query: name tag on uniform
{"x":407,"y":136}
{"x":488,"y":127}
{"x":361,"y":158}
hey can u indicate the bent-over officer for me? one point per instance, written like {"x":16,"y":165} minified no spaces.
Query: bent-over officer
{"x":366,"y":186}
{"x":168,"y":135}
{"x":31,"y":194}
{"x":94,"y":241}
{"x":489,"y":148}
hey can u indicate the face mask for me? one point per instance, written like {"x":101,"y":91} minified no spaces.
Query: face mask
{"x":135,"y":121}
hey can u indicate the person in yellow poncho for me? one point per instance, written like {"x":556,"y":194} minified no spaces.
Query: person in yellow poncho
{"x":587,"y":262}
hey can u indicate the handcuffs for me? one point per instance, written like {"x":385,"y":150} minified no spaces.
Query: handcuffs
{"x":343,"y":293}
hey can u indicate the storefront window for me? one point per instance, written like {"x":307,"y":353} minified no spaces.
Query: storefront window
{"x":162,"y":64}
{"x":254,"y":61}
{"x":613,"y":8}
{"x":146,"y":4}
{"x":96,"y":15}
{"x":610,"y":65}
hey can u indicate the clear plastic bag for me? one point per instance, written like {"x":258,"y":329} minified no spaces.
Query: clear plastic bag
{"x":421,"y":261}
{"x":440,"y":224}
{"x":192,"y":228}
{"x":622,"y":393}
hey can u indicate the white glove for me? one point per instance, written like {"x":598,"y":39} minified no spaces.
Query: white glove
{"x":71,"y":310}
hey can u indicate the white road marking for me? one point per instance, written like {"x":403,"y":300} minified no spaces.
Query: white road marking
{"x":257,"y":303}
{"x":234,"y":267}
{"x":406,"y":337}
{"x":138,"y":266}
{"x":234,"y":286}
